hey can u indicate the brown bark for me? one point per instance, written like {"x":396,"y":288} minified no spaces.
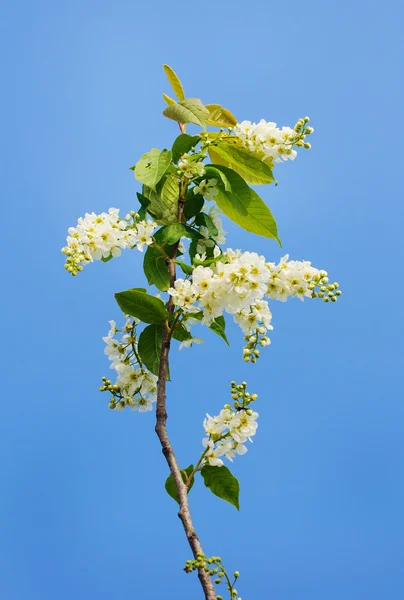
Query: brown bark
{"x":161,"y":430}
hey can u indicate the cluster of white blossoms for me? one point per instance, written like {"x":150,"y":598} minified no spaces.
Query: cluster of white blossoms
{"x":273,"y":142}
{"x":135,"y":386}
{"x":191,"y":166}
{"x":103,"y":236}
{"x":228,"y":432}
{"x":298,"y":278}
{"x":237,"y":284}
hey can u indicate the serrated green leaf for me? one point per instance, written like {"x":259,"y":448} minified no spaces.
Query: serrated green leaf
{"x":183,"y":144}
{"x":190,"y":110}
{"x":174,"y":81}
{"x":220,"y":117}
{"x":149,"y":347}
{"x":142,"y":306}
{"x":193,"y":205}
{"x":243,"y":206}
{"x":167,"y":99}
{"x":170,"y":483}
{"x":204,"y":220}
{"x":222,"y":483}
{"x":248,"y":165}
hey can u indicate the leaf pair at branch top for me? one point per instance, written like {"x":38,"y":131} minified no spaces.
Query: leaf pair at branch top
{"x":191,"y":110}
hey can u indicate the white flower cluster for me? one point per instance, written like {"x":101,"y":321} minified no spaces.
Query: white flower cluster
{"x":191,"y":167}
{"x":236,"y":286}
{"x":238,"y":283}
{"x":275,"y":143}
{"x":298,"y":278}
{"x":228,"y":432}
{"x":135,"y":386}
{"x":97,"y":237}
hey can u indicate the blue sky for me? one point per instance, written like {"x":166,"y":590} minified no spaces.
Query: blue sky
{"x":83,"y":510}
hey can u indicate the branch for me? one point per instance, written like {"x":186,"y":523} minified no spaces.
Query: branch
{"x":161,"y":430}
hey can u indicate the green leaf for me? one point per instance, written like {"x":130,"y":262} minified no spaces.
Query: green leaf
{"x":249,"y":166}
{"x":218,"y":326}
{"x":183,"y":144}
{"x":212,"y":172}
{"x":163,"y":200}
{"x":172,"y":233}
{"x":106,"y":258}
{"x":220,"y":117}
{"x":151,"y":167}
{"x":190,"y":110}
{"x":187,"y":269}
{"x":156,"y":269}
{"x":167,"y":99}
{"x":222,"y":483}
{"x":170,"y":483}
{"x":193,"y":205}
{"x":144,"y":203}
{"x":149,"y":347}
{"x":142,"y":306}
{"x":204,"y":220}
{"x":193,"y":234}
{"x":243,"y":206}
{"x":180,"y":333}
{"x":174,"y":81}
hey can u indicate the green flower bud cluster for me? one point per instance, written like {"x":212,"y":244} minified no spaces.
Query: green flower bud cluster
{"x":242,"y":398}
{"x":302,"y":129}
{"x":116,"y":401}
{"x":251,"y":351}
{"x":321,"y":288}
{"x":215,"y":568}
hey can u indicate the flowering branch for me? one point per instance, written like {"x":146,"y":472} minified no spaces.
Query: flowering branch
{"x":182,"y":201}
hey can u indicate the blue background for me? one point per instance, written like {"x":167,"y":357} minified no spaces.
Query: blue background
{"x":83,"y":511}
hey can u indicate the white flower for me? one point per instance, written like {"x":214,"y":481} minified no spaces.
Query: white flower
{"x":207,"y":188}
{"x":243,"y":426}
{"x":188,"y":343}
{"x":190,"y":168}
